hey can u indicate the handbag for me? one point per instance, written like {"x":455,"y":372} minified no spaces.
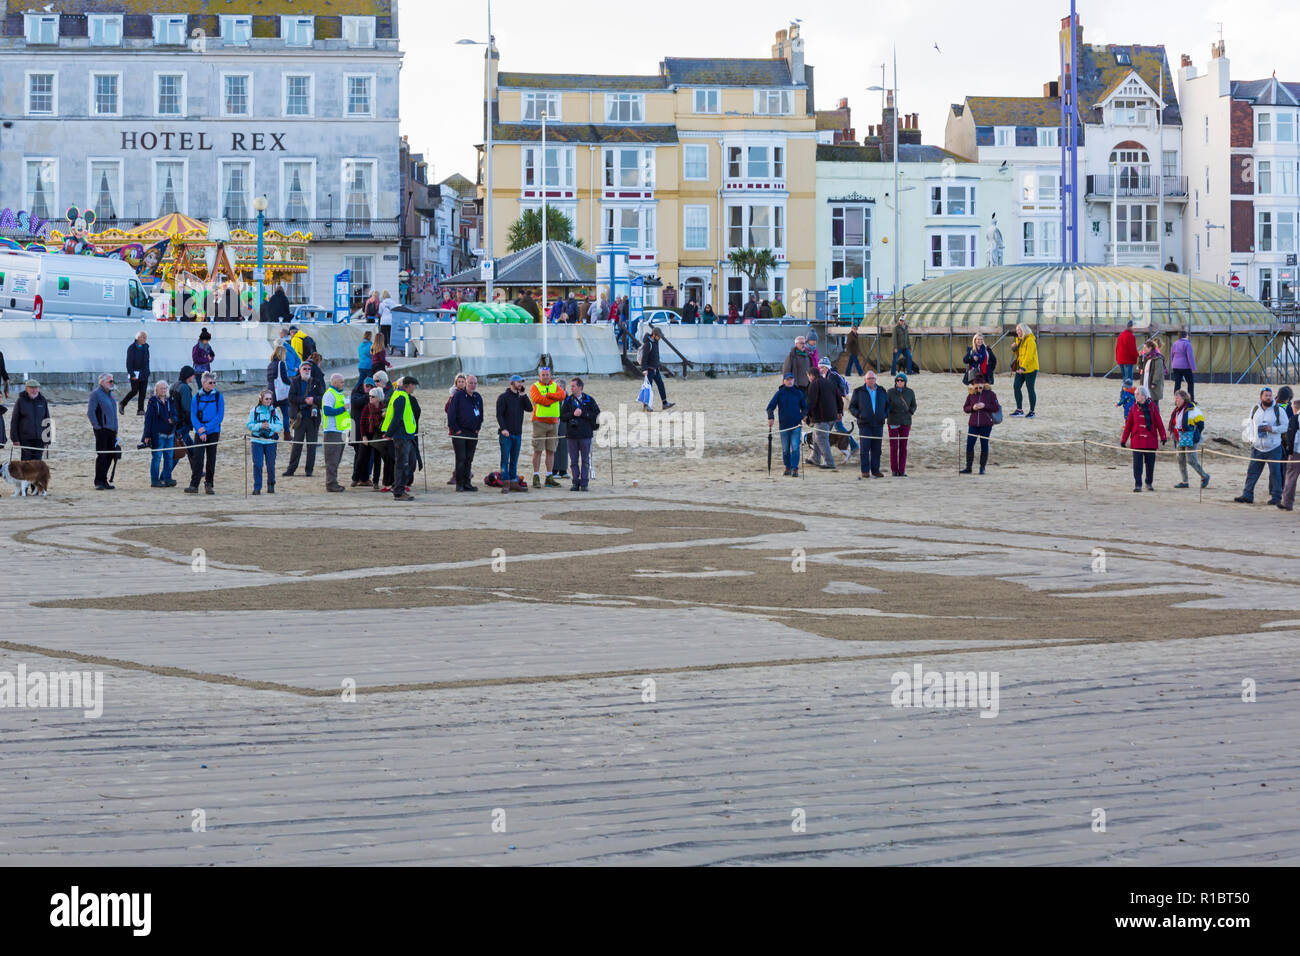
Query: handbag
{"x":1187,"y":439}
{"x":996,"y":416}
{"x":644,"y":396}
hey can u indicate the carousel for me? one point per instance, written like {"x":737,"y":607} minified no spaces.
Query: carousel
{"x":185,"y":256}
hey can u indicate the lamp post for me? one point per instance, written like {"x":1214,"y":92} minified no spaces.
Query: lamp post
{"x":259,"y":203}
{"x":487,"y":229}
{"x":893,"y":92}
{"x":544,"y":236}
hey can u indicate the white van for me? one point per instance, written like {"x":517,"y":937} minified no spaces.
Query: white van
{"x":52,"y":285}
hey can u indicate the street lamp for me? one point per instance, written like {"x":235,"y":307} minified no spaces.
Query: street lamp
{"x":490,"y":44}
{"x":894,"y":95}
{"x":544,"y":237}
{"x":259,"y":203}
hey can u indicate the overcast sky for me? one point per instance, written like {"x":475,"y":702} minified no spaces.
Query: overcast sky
{"x":994,"y":47}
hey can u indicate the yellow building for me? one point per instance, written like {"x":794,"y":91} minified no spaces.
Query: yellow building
{"x":682,"y":166}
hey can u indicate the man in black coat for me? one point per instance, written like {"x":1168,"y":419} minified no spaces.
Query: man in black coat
{"x":512,"y":404}
{"x":581,"y":416}
{"x":751,"y":307}
{"x":870,"y":406}
{"x":277,"y":307}
{"x":137,"y":370}
{"x":464,"y":419}
{"x":650,"y":365}
{"x":29,"y":426}
{"x":825,"y":408}
{"x":305,"y":394}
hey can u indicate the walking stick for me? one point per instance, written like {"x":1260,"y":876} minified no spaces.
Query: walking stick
{"x":769,"y":451}
{"x":422,"y":468}
{"x":247,"y":442}
{"x":1085,"y":464}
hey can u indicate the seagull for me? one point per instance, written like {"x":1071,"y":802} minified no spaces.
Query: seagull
{"x":936,"y":48}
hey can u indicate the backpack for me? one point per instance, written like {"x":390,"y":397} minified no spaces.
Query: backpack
{"x":493,"y":479}
{"x":842,"y":383}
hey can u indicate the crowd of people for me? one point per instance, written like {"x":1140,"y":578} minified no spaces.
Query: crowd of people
{"x":379,"y":418}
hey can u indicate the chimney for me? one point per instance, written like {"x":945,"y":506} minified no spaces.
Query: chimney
{"x":843,"y":103}
{"x":915,"y":124}
{"x":890,"y":122}
{"x":1052,"y":89}
{"x":1217,"y":50}
{"x":1186,"y":60}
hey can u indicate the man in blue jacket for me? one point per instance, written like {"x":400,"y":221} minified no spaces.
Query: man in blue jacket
{"x":137,"y":370}
{"x":870,"y":406}
{"x":207,"y":409}
{"x":464,"y":419}
{"x":581,"y":416}
{"x":791,"y":407}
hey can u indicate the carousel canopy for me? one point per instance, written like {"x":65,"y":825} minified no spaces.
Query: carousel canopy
{"x":171,"y":224}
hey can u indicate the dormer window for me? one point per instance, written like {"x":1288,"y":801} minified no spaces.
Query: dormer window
{"x":359,"y":31}
{"x":169,"y":31}
{"x":236,"y":30}
{"x":1135,"y":112}
{"x":105,"y":30}
{"x":1123,"y":59}
{"x":298,"y":31}
{"x":42,"y":29}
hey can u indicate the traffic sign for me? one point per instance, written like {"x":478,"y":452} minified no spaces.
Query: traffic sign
{"x":485,"y":269}
{"x":1235,"y":281}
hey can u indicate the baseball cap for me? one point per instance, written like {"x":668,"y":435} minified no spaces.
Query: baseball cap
{"x":368,"y":381}
{"x":32,"y":383}
{"x":516,"y":378}
{"x":789,"y":375}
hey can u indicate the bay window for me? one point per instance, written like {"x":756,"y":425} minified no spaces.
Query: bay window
{"x":629,"y":168}
{"x":952,"y":200}
{"x":631,"y":226}
{"x":952,"y":250}
{"x":758,"y":226}
{"x":555,"y":171}
{"x":1276,"y":231}
{"x":1042,"y":239}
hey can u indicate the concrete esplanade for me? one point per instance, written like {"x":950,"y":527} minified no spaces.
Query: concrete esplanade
{"x":72,"y":352}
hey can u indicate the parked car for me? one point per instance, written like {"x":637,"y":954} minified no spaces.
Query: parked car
{"x":44,"y":285}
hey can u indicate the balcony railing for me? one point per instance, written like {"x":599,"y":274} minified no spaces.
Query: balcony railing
{"x":337,"y":228}
{"x":1130,"y":251}
{"x":1105,"y":186}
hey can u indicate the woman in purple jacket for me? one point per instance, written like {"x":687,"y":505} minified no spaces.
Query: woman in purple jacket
{"x":1183,"y":364}
{"x":985,"y":412}
{"x":201,"y":355}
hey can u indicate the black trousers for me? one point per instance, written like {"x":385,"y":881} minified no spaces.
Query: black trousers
{"x":1183,"y":373}
{"x":203,"y":459}
{"x":31,"y":453}
{"x":139,"y":388}
{"x":464,"y":445}
{"x":403,"y":464}
{"x":105,"y":441}
{"x":382,"y":461}
{"x":305,"y":432}
{"x":1143,"y":460}
{"x":361,"y":462}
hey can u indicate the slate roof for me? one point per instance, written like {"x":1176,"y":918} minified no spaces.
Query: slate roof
{"x":907,"y":153}
{"x":1270,"y":92}
{"x":1015,"y":110}
{"x":584,"y":133}
{"x":565,"y":266}
{"x":708,"y":71}
{"x":578,"y":81}
{"x":1100,"y":72}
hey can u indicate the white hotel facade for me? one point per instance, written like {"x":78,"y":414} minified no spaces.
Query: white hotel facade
{"x":136,"y":110}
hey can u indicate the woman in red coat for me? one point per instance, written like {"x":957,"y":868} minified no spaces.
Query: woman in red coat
{"x":1143,"y":426}
{"x":1126,"y":353}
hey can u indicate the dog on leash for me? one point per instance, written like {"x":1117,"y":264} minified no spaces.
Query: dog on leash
{"x":27,"y":477}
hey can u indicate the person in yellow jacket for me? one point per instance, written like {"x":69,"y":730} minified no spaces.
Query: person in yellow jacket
{"x":1025,"y":367}
{"x":547,"y":396}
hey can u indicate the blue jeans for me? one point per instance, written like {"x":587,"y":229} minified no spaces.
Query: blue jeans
{"x":580,"y":461}
{"x":263,"y":454}
{"x":160,"y":462}
{"x":855,"y":361}
{"x":510,"y":445}
{"x":1126,"y":373}
{"x":870,"y":457}
{"x":907,"y":361}
{"x":844,"y":430}
{"x":790,"y":447}
{"x":1256,"y":466}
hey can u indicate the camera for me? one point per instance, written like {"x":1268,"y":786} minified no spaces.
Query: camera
{"x":143,"y":444}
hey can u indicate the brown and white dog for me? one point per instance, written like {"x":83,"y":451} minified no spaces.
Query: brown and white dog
{"x":27,"y":477}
